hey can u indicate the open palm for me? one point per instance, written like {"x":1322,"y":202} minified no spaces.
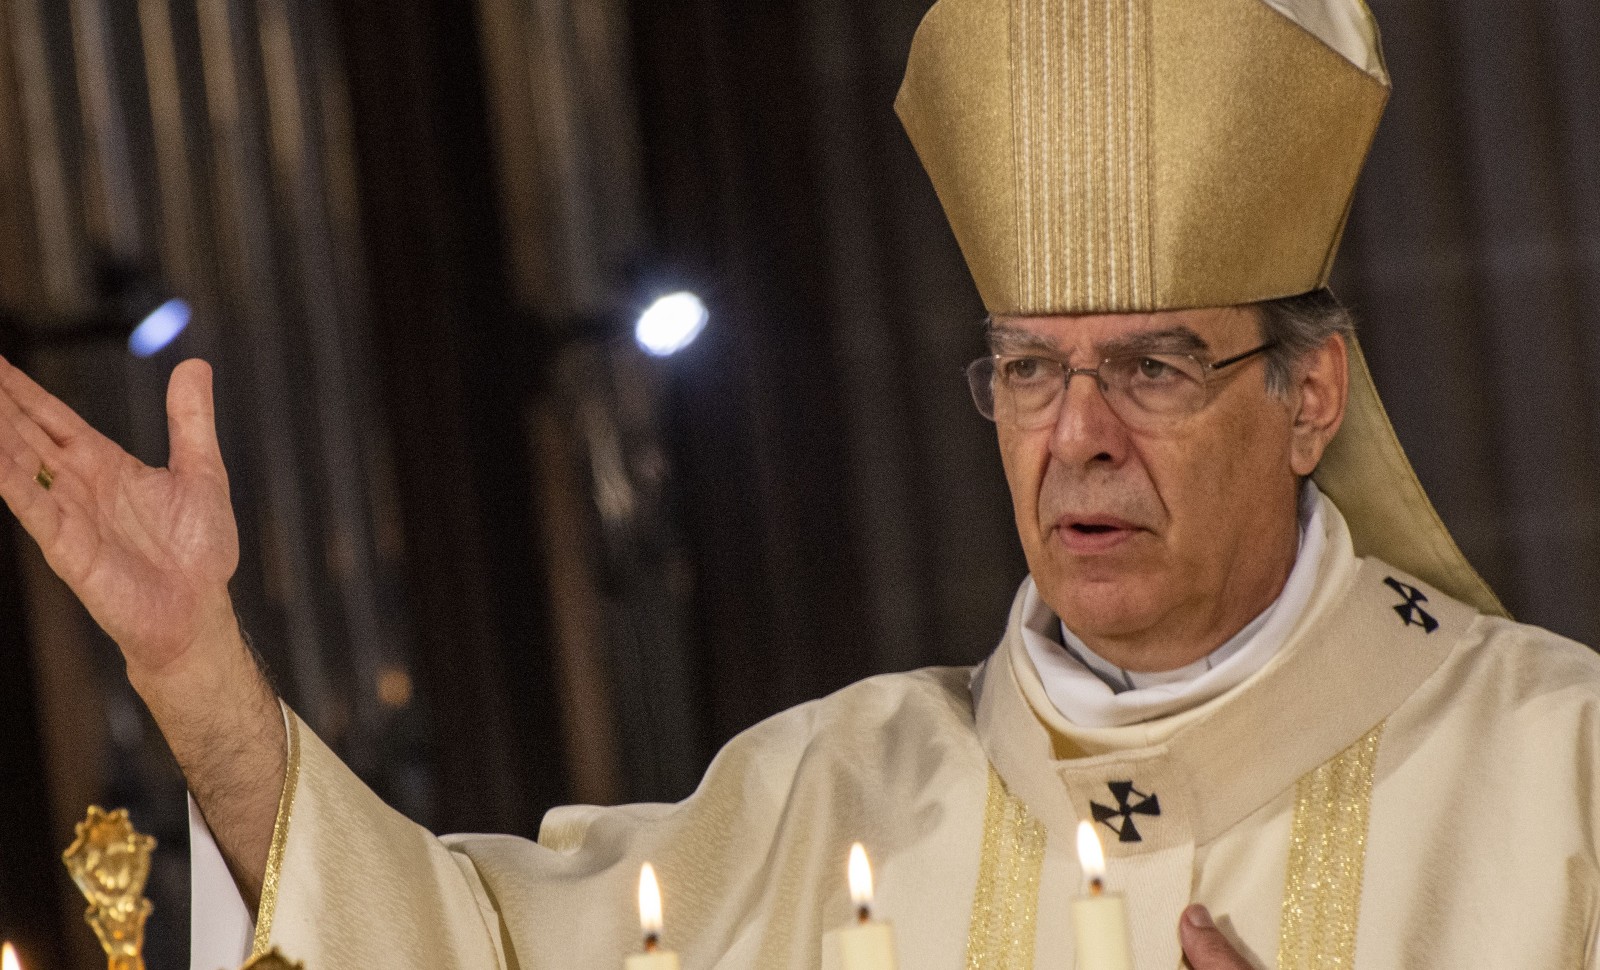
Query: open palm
{"x":149,"y":551}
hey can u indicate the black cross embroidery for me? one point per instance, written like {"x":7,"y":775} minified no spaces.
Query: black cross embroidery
{"x":1411,"y":610}
{"x":1126,"y":809}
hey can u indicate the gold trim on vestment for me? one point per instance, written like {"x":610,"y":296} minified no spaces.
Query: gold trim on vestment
{"x":280,"y":836}
{"x":1005,"y":906}
{"x":1327,"y":855}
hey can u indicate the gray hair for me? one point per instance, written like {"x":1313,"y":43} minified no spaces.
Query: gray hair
{"x":1299,"y":325}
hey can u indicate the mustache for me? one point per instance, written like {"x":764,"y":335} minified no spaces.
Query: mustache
{"x":1065,"y":494}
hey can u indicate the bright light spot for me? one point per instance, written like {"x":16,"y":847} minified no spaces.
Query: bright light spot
{"x":671,"y":324}
{"x":394,"y":687}
{"x":8,"y":958}
{"x":160,"y":328}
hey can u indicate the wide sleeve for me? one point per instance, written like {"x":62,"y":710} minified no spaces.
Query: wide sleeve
{"x":751,"y":864}
{"x":350,"y":882}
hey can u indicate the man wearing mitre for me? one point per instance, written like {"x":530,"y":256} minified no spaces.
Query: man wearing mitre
{"x":1304,"y":729}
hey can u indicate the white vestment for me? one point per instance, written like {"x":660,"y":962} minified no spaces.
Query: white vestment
{"x":1407,"y":783}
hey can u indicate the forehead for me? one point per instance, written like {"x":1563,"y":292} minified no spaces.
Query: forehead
{"x":1177,"y":331}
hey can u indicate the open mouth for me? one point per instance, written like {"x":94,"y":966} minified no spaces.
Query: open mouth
{"x":1092,"y":537}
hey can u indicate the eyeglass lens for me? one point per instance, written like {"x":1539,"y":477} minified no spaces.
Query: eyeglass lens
{"x":1141,"y":389}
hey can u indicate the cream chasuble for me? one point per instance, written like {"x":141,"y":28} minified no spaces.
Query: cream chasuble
{"x":1408,"y":783}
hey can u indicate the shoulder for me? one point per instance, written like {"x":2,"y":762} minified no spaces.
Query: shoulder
{"x":1525,"y":662}
{"x":938,"y":692}
{"x":872,"y":719}
{"x":1509,"y":727}
{"x":878,"y":738}
{"x":1517,"y":661}
{"x":1483,"y":672}
{"x":1525,"y":683}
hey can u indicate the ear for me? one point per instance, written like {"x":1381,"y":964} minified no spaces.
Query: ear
{"x":1321,"y":388}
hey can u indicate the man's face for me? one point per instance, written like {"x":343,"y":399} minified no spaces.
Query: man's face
{"x":1177,"y":534}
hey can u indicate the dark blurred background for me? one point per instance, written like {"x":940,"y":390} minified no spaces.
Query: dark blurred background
{"x":500,"y":557}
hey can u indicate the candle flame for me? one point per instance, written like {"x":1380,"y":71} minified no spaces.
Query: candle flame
{"x":8,"y":958}
{"x":860,"y":877}
{"x":649,"y":902}
{"x":1090,"y":856}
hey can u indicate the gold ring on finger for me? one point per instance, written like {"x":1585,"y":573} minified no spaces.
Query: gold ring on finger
{"x":44,"y":477}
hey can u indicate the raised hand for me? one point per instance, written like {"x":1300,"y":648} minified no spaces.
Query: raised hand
{"x":150,"y":551}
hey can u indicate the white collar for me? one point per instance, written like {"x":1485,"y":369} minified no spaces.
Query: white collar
{"x":1080,"y":683}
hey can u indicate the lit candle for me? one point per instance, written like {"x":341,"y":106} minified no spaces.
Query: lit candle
{"x":8,"y":957}
{"x":1099,"y":919}
{"x":653,"y":957}
{"x":868,"y":944}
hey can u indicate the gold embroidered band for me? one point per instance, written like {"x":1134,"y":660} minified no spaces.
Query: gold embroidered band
{"x":1005,"y":906}
{"x":1080,"y":102}
{"x":280,"y":835}
{"x":1327,"y":855}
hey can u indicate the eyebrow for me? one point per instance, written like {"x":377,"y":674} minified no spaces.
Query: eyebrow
{"x":1180,"y":340}
{"x":1004,"y":339}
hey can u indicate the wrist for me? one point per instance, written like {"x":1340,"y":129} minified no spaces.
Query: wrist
{"x":214,"y":649}
{"x":213,"y":695}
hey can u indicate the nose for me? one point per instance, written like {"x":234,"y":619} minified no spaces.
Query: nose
{"x":1087,"y":430}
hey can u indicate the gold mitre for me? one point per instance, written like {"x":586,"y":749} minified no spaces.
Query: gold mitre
{"x":1102,"y":156}
{"x":1111,"y":155}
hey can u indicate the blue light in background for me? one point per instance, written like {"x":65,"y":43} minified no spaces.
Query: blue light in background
{"x":671,"y":324}
{"x":160,"y":328}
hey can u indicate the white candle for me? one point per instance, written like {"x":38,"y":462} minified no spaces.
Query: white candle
{"x":867,"y":944}
{"x":653,"y":957}
{"x":1099,"y":919}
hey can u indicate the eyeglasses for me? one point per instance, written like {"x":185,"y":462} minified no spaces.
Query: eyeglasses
{"x":1145,"y":390}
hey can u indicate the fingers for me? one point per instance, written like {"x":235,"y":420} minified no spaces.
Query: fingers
{"x":36,"y":507}
{"x":27,"y":436}
{"x":192,"y":422}
{"x":25,"y":446}
{"x":60,"y":422}
{"x":1204,"y":945}
{"x":71,"y":451}
{"x":43,"y":432}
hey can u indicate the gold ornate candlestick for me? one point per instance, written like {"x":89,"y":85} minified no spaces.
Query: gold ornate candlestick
{"x":110,"y":862}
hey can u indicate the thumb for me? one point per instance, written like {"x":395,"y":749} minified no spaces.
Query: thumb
{"x":192,"y":422}
{"x":1204,"y":945}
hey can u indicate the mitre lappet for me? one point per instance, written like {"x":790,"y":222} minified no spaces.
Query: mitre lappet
{"x":1111,"y":156}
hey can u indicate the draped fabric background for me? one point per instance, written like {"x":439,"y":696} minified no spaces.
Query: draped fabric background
{"x":501,"y":559}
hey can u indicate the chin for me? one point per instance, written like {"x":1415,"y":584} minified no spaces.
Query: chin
{"x":1100,"y":610}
